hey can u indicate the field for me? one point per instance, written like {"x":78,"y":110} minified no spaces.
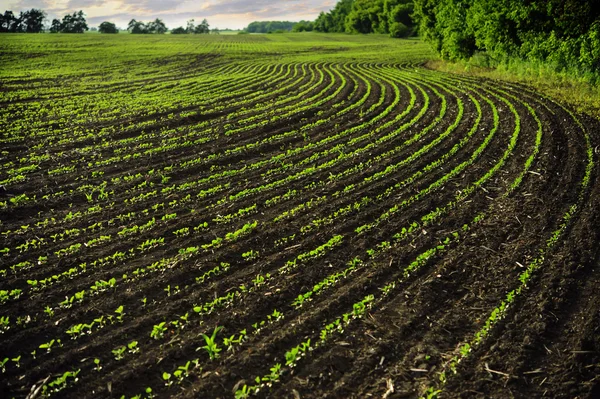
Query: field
{"x":289,"y":216}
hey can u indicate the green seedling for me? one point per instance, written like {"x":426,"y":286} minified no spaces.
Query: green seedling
{"x":119,"y":352}
{"x":159,"y":330}
{"x":211,"y":344}
{"x":167,"y":378}
{"x":120,"y":314}
{"x":133,"y":347}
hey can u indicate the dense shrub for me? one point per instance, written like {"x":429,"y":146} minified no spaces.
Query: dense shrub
{"x":564,"y":33}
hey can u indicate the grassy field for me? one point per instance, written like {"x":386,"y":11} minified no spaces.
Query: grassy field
{"x":289,"y":215}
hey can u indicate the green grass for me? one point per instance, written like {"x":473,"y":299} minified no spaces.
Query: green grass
{"x":579,"y":91}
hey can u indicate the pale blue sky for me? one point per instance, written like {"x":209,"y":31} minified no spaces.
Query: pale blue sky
{"x":222,"y":14}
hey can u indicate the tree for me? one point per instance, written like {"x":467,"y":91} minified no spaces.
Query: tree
{"x":107,"y":27}
{"x":190,"y":26}
{"x":33,"y":21}
{"x":55,"y":26}
{"x":303,"y":26}
{"x":334,"y":20}
{"x":270,"y":26}
{"x":324,"y":23}
{"x":565,"y":34}
{"x":74,"y":23}
{"x":369,"y":16}
{"x":400,"y":20}
{"x":179,"y":30}
{"x":157,"y":26}
{"x":136,"y":27}
{"x":202,"y":28}
{"x":9,"y":22}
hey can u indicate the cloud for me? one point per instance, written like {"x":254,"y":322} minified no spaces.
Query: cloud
{"x":153,"y":5}
{"x":23,"y":5}
{"x":222,"y":13}
{"x":82,"y":4}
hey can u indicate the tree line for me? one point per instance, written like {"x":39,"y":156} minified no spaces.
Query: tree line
{"x":269,"y":26}
{"x":393,"y":17}
{"x":202,"y":28}
{"x":32,"y":21}
{"x":563,"y":33}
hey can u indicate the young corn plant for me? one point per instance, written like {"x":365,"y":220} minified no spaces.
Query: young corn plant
{"x":211,"y":344}
{"x":159,"y":330}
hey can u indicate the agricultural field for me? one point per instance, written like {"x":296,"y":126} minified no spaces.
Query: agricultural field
{"x":289,"y":216}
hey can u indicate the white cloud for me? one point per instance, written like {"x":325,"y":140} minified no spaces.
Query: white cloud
{"x":220,"y":13}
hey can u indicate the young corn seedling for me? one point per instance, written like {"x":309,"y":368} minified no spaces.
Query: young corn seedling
{"x":291,"y":356}
{"x":250,"y":255}
{"x":48,"y":345}
{"x":211,"y":344}
{"x":133,"y":347}
{"x":270,"y":379}
{"x":49,"y":311}
{"x":120,"y":314}
{"x":4,"y":324}
{"x":119,"y":352}
{"x":167,"y":378}
{"x":159,"y":330}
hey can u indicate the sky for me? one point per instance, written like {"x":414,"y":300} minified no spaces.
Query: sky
{"x":222,"y":14}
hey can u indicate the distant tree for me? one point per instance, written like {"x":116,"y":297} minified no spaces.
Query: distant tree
{"x":32,"y":21}
{"x":179,"y":30}
{"x":55,"y":26}
{"x":203,"y":27}
{"x":215,"y":31}
{"x":303,"y":26}
{"x":9,"y":22}
{"x":108,"y":27}
{"x":269,"y":26}
{"x":136,"y":27}
{"x":157,"y":26}
{"x":190,"y":26}
{"x":369,"y":16}
{"x":74,"y":23}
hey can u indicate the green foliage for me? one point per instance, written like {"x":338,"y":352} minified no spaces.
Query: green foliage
{"x":74,"y":23}
{"x":178,"y":31}
{"x":563,"y":34}
{"x":139,"y":27}
{"x":31,"y":21}
{"x":304,"y":26}
{"x":107,"y":27}
{"x":211,"y":343}
{"x":391,"y":17}
{"x":269,"y":26}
